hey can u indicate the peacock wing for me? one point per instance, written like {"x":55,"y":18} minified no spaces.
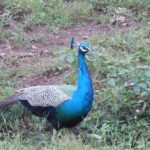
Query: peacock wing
{"x":43,"y":96}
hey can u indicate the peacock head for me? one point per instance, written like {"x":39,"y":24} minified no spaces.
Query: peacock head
{"x":83,"y":48}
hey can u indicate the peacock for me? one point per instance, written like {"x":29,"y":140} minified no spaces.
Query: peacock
{"x":61,"y":110}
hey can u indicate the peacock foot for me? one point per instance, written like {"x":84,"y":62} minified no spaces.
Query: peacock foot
{"x":48,"y":126}
{"x":55,"y":136}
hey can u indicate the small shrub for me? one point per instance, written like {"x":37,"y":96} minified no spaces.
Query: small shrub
{"x":56,"y":13}
{"x":2,"y":34}
{"x":121,"y":77}
{"x":20,"y":38}
{"x":80,"y":11}
{"x":139,"y":10}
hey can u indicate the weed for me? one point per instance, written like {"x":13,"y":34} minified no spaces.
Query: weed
{"x":20,"y":38}
{"x":121,"y":80}
{"x":119,"y":67}
{"x":2,"y":33}
{"x":80,"y":11}
{"x":133,"y":9}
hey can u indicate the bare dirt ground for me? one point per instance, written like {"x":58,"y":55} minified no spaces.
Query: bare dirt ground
{"x":60,"y":38}
{"x":53,"y":41}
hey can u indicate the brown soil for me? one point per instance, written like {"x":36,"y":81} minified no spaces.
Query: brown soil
{"x":53,"y":41}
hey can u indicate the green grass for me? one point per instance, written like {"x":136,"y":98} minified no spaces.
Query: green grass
{"x":136,"y":10}
{"x":119,"y":66}
{"x":121,"y":74}
{"x":22,"y":15}
{"x":43,"y":139}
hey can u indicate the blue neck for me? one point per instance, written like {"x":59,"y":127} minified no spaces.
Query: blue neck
{"x":83,"y":73}
{"x":81,"y":102}
{"x":84,"y":85}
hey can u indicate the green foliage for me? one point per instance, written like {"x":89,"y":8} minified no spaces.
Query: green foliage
{"x":101,"y":5}
{"x":22,"y":14}
{"x":121,"y":76}
{"x":80,"y":11}
{"x":56,"y":13}
{"x":119,"y":66}
{"x":18,"y":141}
{"x":125,"y":83}
{"x":8,"y":80}
{"x":20,"y":38}
{"x":37,"y":12}
{"x":5,"y":84}
{"x":133,"y":9}
{"x":130,"y":41}
{"x":2,"y":33}
{"x":12,"y":119}
{"x":122,"y":93}
{"x":59,"y":13}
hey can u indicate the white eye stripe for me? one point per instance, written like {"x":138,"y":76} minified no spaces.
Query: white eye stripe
{"x":83,"y":50}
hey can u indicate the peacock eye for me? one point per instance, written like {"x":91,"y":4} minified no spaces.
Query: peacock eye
{"x":83,"y":49}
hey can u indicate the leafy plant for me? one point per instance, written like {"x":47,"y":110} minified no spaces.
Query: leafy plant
{"x":2,"y":32}
{"x":121,"y":80}
{"x":80,"y":11}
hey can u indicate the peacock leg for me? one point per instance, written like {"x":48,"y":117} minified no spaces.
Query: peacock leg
{"x":25,"y":117}
{"x":48,"y":126}
{"x":54,"y":139}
